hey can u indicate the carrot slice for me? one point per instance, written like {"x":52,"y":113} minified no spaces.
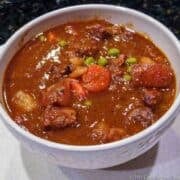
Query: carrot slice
{"x":96,"y":78}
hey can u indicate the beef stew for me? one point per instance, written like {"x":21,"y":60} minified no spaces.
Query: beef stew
{"x":88,"y":82}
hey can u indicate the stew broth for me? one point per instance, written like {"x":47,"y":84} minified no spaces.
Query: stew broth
{"x":88,"y":82}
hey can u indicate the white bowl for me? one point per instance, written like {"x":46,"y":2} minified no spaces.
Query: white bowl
{"x":105,"y":155}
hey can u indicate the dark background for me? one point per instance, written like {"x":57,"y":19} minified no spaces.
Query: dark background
{"x":15,"y":13}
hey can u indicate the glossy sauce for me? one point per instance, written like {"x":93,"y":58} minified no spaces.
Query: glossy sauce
{"x":30,"y":71}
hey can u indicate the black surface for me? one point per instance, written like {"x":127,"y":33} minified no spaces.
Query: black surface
{"x":15,"y":13}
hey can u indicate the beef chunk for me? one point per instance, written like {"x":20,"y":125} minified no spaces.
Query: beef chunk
{"x":67,"y":70}
{"x":86,"y":47}
{"x":98,"y":32}
{"x":103,"y":133}
{"x":119,"y":61}
{"x":116,"y":30}
{"x":116,"y":70}
{"x":58,"y":94}
{"x":152,"y":97}
{"x":116,"y":134}
{"x":141,"y":115}
{"x":152,"y":75}
{"x":57,"y":117}
{"x":116,"y":74}
{"x":57,"y":72}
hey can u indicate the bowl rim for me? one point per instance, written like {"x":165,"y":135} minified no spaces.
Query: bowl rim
{"x":83,"y":148}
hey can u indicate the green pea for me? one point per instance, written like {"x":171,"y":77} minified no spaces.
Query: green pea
{"x":129,"y":69}
{"x":102,"y":61}
{"x":127,"y":77}
{"x":87,"y":103}
{"x":62,"y":43}
{"x":42,"y":38}
{"x":131,"y":60}
{"x":89,"y":60}
{"x":113,"y":52}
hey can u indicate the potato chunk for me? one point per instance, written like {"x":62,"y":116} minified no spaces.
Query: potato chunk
{"x":146,"y":60}
{"x":79,"y":71}
{"x":24,"y":101}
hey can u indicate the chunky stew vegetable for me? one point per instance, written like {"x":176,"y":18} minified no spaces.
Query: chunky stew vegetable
{"x":88,"y":82}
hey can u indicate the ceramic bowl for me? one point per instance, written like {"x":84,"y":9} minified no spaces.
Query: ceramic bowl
{"x":104,"y":155}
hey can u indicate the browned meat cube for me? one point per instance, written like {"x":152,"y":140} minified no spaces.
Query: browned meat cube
{"x":152,"y":75}
{"x":100,"y":132}
{"x":119,"y":61}
{"x":116,"y":68}
{"x":58,"y":94}
{"x":57,"y":117}
{"x":103,"y":133}
{"x":152,"y":97}
{"x":86,"y":48}
{"x":98,"y":32}
{"x":116,"y":134}
{"x":141,"y":115}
